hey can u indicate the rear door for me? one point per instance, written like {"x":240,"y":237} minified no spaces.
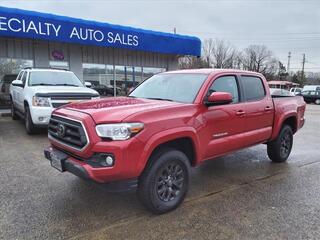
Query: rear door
{"x":225,"y":124}
{"x":259,"y":109}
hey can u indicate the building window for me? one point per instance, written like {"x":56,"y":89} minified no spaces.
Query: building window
{"x":93,"y":72}
{"x":149,"y":72}
{"x":103,"y":77}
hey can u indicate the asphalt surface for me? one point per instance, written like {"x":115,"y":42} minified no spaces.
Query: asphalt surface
{"x":239,"y":196}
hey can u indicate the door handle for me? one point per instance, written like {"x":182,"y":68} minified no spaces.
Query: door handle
{"x":240,"y":113}
{"x":267,"y":108}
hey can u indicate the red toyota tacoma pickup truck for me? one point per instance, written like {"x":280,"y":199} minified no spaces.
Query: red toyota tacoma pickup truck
{"x":169,"y":123}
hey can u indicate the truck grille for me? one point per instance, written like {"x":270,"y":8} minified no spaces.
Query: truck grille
{"x":58,"y":104}
{"x":67,"y":132}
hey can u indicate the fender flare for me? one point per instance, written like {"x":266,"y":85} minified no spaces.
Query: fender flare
{"x":279,"y":123}
{"x":166,"y":136}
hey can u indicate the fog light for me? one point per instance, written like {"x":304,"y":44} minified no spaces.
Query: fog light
{"x":109,"y":160}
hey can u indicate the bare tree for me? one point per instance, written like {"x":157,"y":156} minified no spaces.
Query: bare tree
{"x":219,"y":54}
{"x":259,"y":58}
{"x":189,"y":62}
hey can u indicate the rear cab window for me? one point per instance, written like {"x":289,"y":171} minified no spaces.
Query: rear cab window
{"x":253,"y":88}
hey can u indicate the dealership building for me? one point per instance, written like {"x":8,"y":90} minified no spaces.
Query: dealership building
{"x":94,"y":51}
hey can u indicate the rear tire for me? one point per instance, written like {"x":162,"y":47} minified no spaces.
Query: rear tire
{"x":165,"y":181}
{"x":14,"y":115}
{"x":280,"y":148}
{"x":30,"y":128}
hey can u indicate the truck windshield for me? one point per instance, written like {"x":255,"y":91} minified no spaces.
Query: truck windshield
{"x":55,"y":78}
{"x":178,"y":87}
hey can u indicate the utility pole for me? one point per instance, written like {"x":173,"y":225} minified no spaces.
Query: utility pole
{"x":303,"y":62}
{"x":288,"y":65}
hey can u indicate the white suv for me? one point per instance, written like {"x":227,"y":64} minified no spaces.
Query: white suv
{"x":37,"y":92}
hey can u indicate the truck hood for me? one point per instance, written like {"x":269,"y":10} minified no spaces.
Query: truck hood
{"x":62,"y":89}
{"x":117,"y":109}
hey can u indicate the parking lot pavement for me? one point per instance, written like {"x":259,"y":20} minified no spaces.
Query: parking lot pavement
{"x":240,"y":196}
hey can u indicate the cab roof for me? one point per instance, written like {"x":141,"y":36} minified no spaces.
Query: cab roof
{"x":210,"y":71}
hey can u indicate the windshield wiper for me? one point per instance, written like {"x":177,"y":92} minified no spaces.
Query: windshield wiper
{"x":42,"y":84}
{"x":66,"y":84}
{"x":162,"y":99}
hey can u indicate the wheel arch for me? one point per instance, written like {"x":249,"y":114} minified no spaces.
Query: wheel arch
{"x":185,"y":141}
{"x":292,"y":122}
{"x":290,"y":119}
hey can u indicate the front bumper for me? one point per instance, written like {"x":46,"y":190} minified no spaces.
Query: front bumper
{"x":86,"y":172}
{"x":40,"y":115}
{"x":87,"y":169}
{"x":68,"y":165}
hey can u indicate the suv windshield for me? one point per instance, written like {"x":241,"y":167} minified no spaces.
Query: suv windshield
{"x":178,"y":87}
{"x":56,"y":78}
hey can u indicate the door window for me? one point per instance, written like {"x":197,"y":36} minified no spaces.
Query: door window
{"x":253,"y":88}
{"x":24,"y":78}
{"x":226,"y":84}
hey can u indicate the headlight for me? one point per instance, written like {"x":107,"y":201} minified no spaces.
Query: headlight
{"x":40,"y":101}
{"x":121,"y":131}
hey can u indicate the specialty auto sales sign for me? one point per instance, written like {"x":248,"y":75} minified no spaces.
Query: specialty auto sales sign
{"x":27,"y":24}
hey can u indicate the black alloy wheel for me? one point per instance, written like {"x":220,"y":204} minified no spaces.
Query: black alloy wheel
{"x":170,"y":182}
{"x":164,"y":183}
{"x":280,"y":148}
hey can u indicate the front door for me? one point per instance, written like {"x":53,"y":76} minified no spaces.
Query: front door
{"x":225,"y":124}
{"x":19,"y":92}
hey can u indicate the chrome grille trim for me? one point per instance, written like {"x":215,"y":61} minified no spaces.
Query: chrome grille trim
{"x":65,"y":144}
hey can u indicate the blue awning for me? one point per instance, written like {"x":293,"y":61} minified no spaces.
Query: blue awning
{"x":34,"y":25}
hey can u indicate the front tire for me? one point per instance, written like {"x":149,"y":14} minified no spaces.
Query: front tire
{"x":165,"y":181}
{"x":280,"y":148}
{"x":317,"y":101}
{"x":30,"y":128}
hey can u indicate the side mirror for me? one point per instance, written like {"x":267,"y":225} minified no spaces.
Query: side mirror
{"x":219,"y":98}
{"x":88,"y":84}
{"x":17,"y":83}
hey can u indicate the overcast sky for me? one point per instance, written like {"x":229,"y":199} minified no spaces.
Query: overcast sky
{"x":282,"y":25}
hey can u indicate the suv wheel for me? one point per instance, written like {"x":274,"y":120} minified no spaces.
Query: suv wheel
{"x":280,"y":148}
{"x":28,"y":122}
{"x":317,"y":101}
{"x":14,"y":115}
{"x":165,"y":182}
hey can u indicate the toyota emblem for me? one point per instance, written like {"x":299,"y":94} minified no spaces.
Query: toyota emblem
{"x":61,"y":130}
